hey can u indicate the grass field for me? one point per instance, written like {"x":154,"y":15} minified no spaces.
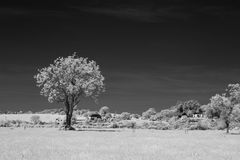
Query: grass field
{"x":52,"y":144}
{"x":27,"y":117}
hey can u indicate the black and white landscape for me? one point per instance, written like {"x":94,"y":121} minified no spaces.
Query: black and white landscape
{"x":135,"y":79}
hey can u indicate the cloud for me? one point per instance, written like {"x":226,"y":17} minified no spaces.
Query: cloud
{"x":158,"y":12}
{"x":143,"y":11}
{"x":129,"y":13}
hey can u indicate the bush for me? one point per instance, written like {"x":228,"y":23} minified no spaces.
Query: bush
{"x":203,"y":124}
{"x":127,"y":124}
{"x":125,"y":116}
{"x":236,"y":113}
{"x":135,"y":116}
{"x":107,"y":117}
{"x":181,"y":123}
{"x":113,"y":125}
{"x":155,"y":117}
{"x":6,"y":123}
{"x":104,"y":110}
{"x":163,"y":115}
{"x":221,"y":125}
{"x":130,"y":124}
{"x":35,"y":119}
{"x":29,"y":112}
{"x":147,"y":114}
{"x":172,"y":121}
{"x":144,"y":125}
{"x":74,"y":119}
{"x":163,"y":125}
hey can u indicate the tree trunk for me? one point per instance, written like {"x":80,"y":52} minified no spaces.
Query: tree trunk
{"x":227,"y":126}
{"x":69,"y":110}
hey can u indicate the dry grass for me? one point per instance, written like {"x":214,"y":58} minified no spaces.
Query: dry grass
{"x":52,"y":144}
{"x":27,"y":117}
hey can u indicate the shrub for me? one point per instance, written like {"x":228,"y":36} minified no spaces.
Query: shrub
{"x":29,"y":112}
{"x":151,"y":125}
{"x":107,"y":117}
{"x":125,"y":116}
{"x":74,"y":119}
{"x":35,"y":119}
{"x":113,"y":125}
{"x":154,"y":117}
{"x":135,"y":116}
{"x":147,"y":114}
{"x":221,"y":124}
{"x":6,"y":123}
{"x":127,"y":124}
{"x":172,"y":120}
{"x":181,"y":123}
{"x":163,"y":125}
{"x":130,"y":124}
{"x":236,"y":113}
{"x":203,"y":124}
{"x":159,"y":125}
{"x":144,"y":125}
{"x":104,"y":110}
{"x":164,"y":114}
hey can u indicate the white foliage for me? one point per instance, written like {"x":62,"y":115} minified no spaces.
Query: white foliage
{"x":72,"y":76}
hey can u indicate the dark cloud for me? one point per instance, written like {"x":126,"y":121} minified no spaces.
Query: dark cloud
{"x":145,"y":11}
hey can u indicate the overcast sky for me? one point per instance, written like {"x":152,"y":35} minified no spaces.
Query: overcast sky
{"x":152,"y":53}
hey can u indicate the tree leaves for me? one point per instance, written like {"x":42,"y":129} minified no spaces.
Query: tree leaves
{"x":75,"y":76}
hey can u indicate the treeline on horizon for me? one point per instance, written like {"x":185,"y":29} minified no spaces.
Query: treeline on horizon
{"x":223,"y":109}
{"x":218,"y":105}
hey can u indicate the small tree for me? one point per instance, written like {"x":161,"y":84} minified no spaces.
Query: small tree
{"x":226,"y":103}
{"x":104,"y":110}
{"x":147,"y":114}
{"x":29,"y":112}
{"x":135,"y":116}
{"x":236,"y":113}
{"x":69,"y":79}
{"x":35,"y":119}
{"x":125,"y":116}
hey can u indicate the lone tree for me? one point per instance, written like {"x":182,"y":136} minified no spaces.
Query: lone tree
{"x":69,"y":79}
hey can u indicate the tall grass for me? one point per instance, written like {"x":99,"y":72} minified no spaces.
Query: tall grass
{"x":128,"y":144}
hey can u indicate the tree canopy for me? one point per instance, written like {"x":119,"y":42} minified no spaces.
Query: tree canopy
{"x":226,"y":105}
{"x":69,"y":79}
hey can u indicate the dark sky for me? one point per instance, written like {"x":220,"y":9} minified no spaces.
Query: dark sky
{"x":152,"y":53}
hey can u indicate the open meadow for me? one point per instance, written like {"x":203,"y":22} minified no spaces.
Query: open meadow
{"x":125,"y":144}
{"x":27,"y":117}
